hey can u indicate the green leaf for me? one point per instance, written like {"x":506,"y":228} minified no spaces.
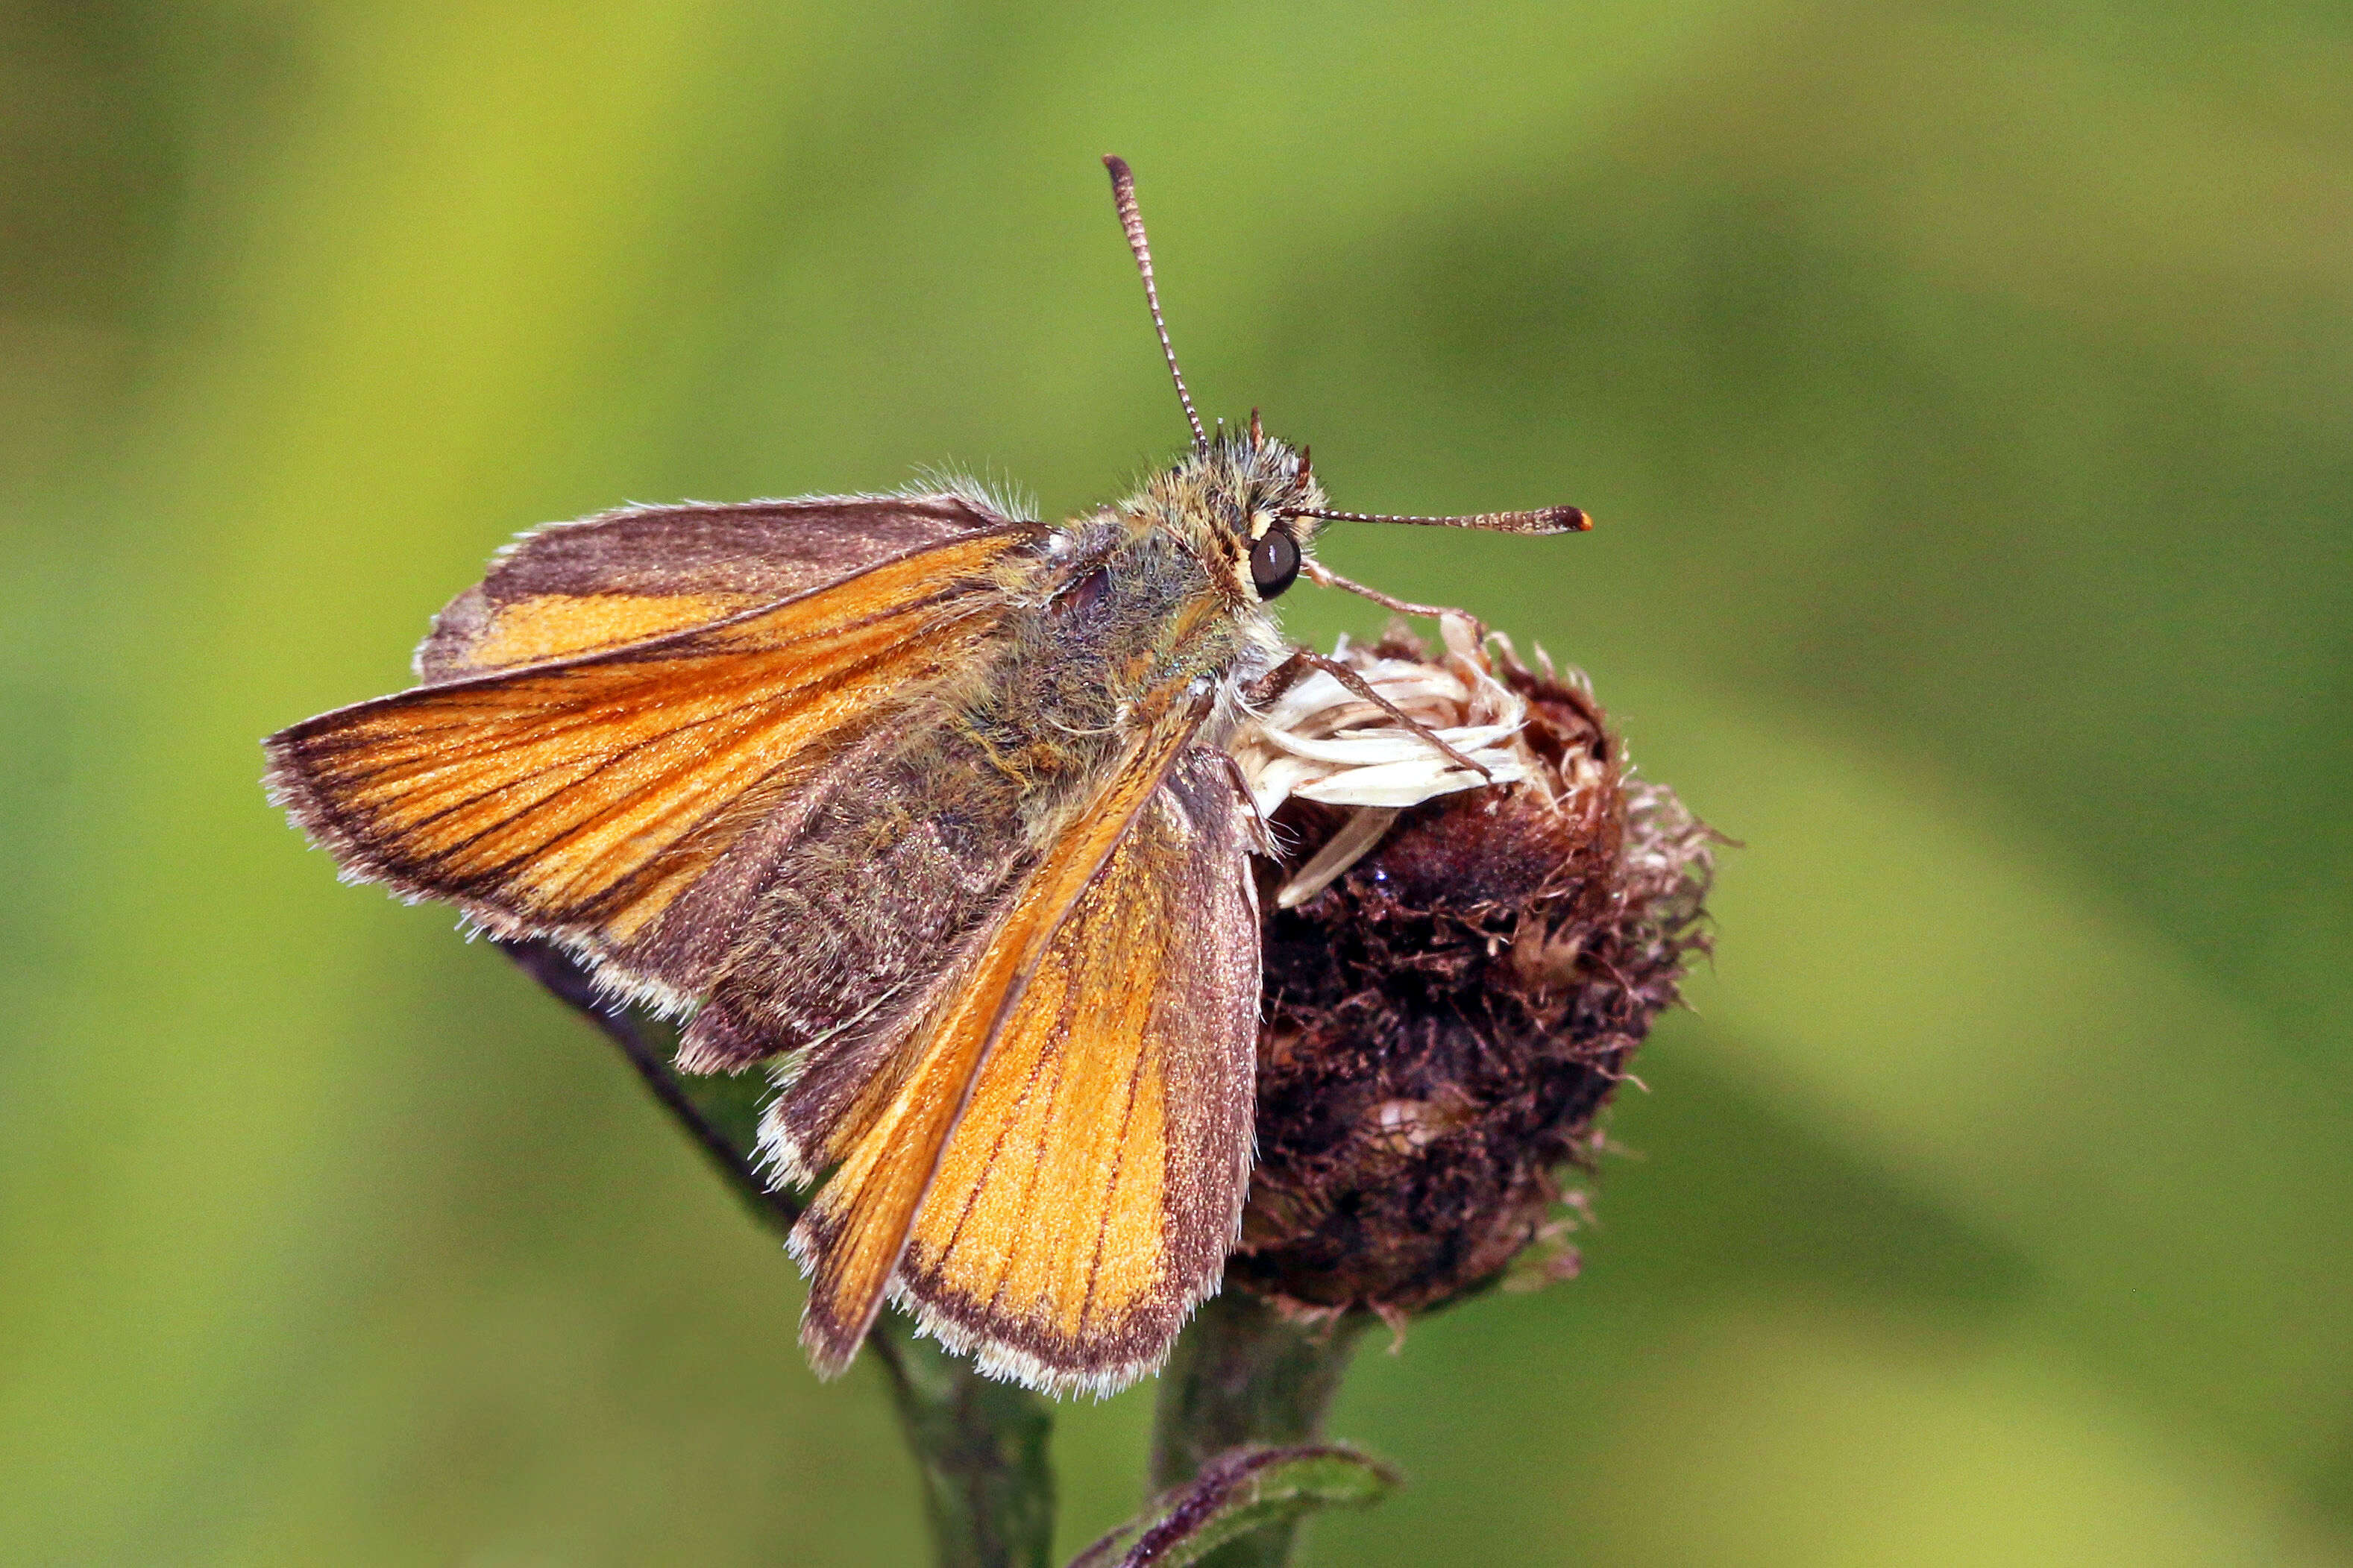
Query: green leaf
{"x":1240,"y":1490}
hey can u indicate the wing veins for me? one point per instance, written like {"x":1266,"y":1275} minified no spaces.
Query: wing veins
{"x":1118,"y":1163}
{"x":995,"y":1148}
{"x":590,"y":710}
{"x":602,"y":815}
{"x":586,"y":718}
{"x":1029,"y":1186}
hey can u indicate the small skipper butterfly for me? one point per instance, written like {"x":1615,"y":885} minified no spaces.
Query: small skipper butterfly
{"x":929,"y":806}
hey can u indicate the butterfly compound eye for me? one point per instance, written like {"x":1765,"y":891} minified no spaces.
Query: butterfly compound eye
{"x":1274,"y":562}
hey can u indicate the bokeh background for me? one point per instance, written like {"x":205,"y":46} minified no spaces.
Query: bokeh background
{"x":1966,"y":391}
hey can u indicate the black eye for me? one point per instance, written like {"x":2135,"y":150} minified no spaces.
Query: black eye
{"x":1274,"y":562}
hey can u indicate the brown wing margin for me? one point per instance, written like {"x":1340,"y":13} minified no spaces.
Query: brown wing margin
{"x":580,"y":799}
{"x":1056,"y":1182}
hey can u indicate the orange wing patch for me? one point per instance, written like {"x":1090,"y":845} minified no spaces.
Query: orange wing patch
{"x":1056,"y":1182}
{"x":576,"y":588}
{"x":580,"y":798}
{"x":565,"y":625}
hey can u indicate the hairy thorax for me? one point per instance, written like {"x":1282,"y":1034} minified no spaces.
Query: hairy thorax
{"x":1127,"y":622}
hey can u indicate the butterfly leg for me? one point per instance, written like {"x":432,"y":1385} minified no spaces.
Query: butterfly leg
{"x":1322,"y":576}
{"x":1283,"y":676}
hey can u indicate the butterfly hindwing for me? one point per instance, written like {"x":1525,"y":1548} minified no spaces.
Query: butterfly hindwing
{"x":888,"y":881}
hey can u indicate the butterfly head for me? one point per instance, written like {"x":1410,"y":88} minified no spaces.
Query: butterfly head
{"x":1241,"y":503}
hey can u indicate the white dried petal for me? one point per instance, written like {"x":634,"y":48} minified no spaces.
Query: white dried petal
{"x":1397,"y":744}
{"x":1321,"y":742}
{"x":1408,"y":784}
{"x":1352,"y":843}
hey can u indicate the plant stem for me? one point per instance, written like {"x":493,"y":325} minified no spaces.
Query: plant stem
{"x":1243,"y":1373}
{"x":980,"y":1446}
{"x":988,"y":1479}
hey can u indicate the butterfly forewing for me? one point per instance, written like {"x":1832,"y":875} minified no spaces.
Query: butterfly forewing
{"x":1088,"y":1068}
{"x":583,"y":798}
{"x":1086,"y":1201}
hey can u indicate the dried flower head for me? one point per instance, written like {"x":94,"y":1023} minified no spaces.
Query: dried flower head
{"x":1458,"y":969}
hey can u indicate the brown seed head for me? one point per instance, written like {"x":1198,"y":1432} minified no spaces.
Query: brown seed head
{"x":1444,"y":1020}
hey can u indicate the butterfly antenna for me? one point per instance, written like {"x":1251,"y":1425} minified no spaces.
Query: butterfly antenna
{"x":1123,"y":192}
{"x":1551,"y":520}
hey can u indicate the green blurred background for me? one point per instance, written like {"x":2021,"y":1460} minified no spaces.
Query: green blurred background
{"x":1965,"y":389}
